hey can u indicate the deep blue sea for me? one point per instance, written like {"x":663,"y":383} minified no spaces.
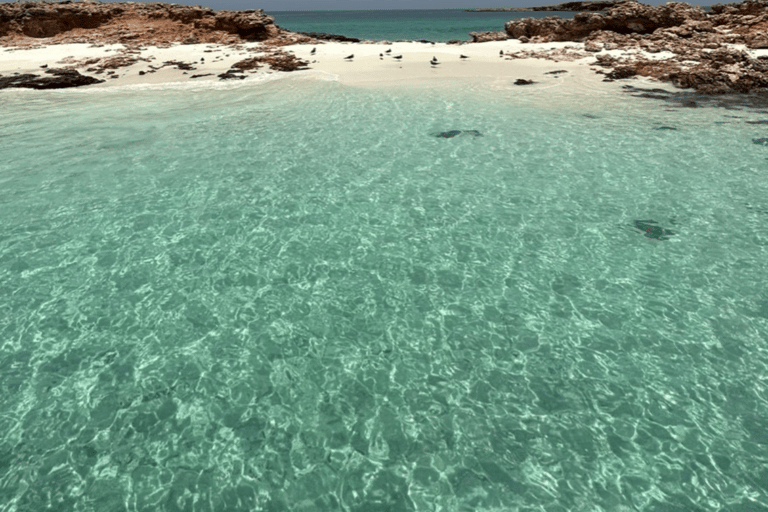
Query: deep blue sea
{"x":393,"y":25}
{"x":295,"y":295}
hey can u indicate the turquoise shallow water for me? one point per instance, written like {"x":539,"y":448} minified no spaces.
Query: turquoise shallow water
{"x":293,"y":296}
{"x":397,"y":24}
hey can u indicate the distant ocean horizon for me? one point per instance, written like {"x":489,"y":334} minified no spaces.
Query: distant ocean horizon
{"x":438,"y":25}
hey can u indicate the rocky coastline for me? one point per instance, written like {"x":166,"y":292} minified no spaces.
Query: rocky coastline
{"x":25,"y":25}
{"x":712,"y":52}
{"x":721,"y":51}
{"x":132,"y":23}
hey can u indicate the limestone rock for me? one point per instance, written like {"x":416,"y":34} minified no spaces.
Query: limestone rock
{"x":483,"y":37}
{"x":593,"y":46}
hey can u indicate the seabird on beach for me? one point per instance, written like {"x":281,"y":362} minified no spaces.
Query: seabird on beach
{"x":434,"y":62}
{"x":313,"y":51}
{"x":398,"y":57}
{"x":501,"y":53}
{"x":388,"y":51}
{"x":350,"y":57}
{"x":463,"y":56}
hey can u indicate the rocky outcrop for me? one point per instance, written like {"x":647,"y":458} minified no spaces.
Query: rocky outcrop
{"x":130,"y":22}
{"x":484,"y":37}
{"x":61,"y":79}
{"x":624,"y":18}
{"x":322,"y":36}
{"x":702,"y":47}
{"x":721,"y":71}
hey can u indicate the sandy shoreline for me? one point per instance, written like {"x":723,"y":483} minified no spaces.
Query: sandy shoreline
{"x":718,"y":52}
{"x":373,"y":64}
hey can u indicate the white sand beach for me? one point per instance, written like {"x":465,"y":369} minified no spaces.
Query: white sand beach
{"x":372,"y":64}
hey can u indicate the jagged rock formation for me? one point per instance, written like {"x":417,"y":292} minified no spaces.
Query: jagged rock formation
{"x":701,"y":45}
{"x":624,"y":18}
{"x":21,"y":23}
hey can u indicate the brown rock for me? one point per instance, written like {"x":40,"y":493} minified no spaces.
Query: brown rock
{"x":21,"y":23}
{"x":61,"y":79}
{"x":702,"y":43}
{"x":624,"y":18}
{"x":756,"y":40}
{"x":484,"y":37}
{"x":277,"y":60}
{"x":593,"y":46}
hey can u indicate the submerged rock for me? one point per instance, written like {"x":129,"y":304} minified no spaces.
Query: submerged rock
{"x":453,"y":133}
{"x":651,"y":229}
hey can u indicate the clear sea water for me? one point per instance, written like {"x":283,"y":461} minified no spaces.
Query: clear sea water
{"x":393,"y":25}
{"x":293,"y":296}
